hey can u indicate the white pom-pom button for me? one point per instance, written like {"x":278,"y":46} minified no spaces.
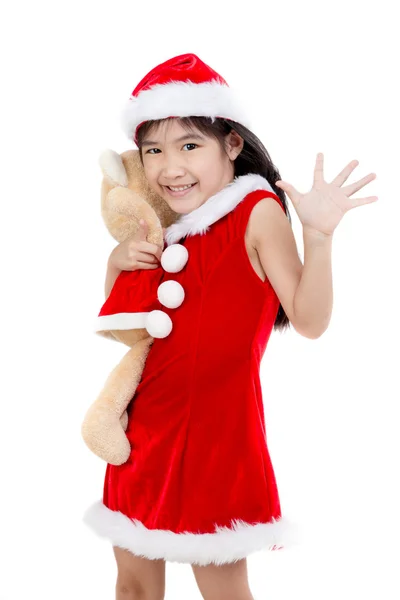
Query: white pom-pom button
{"x":158,"y":324}
{"x":170,"y":294}
{"x":174,"y":258}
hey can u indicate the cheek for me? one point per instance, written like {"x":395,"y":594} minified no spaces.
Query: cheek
{"x":209,"y":171}
{"x":149,"y":170}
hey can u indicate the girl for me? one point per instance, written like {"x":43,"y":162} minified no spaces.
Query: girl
{"x":199,"y":486}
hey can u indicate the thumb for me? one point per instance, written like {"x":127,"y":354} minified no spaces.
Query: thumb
{"x":287,"y":188}
{"x":280,"y":184}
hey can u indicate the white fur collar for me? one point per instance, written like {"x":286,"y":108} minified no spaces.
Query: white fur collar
{"x":216,"y":207}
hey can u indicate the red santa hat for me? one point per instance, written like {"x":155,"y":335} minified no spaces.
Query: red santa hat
{"x":182,"y":86}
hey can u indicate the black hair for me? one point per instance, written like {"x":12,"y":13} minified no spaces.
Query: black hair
{"x":254,"y":158}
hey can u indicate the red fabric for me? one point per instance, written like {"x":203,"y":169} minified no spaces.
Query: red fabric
{"x":196,"y":423}
{"x":133,"y":291}
{"x":179,"y":68}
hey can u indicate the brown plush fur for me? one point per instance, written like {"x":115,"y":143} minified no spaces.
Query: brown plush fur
{"x":125,"y":199}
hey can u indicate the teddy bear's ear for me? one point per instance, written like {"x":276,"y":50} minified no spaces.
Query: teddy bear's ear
{"x":113,"y":168}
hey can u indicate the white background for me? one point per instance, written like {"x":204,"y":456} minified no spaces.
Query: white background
{"x":316,"y":76}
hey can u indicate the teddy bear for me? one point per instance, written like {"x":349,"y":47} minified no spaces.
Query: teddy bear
{"x":131,"y":314}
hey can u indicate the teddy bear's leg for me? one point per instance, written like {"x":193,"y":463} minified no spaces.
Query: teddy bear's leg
{"x":130,"y":338}
{"x":102,"y":428}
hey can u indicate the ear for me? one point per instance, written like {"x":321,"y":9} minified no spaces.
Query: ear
{"x":113,"y":168}
{"x":234,"y":144}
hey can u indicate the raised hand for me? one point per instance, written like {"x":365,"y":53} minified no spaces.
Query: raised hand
{"x":323,"y":207}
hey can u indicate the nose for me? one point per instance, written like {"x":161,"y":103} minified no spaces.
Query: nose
{"x":171,"y":168}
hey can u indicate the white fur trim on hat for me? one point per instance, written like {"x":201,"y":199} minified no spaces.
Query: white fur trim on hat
{"x":182,"y":99}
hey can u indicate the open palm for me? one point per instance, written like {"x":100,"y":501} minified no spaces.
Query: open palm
{"x":323,"y":207}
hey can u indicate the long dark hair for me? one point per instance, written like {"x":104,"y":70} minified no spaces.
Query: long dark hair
{"x":254,"y":158}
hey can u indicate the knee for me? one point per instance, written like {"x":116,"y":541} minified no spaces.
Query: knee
{"x":128,"y":589}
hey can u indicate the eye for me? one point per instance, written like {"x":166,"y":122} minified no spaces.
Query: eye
{"x":188,"y":144}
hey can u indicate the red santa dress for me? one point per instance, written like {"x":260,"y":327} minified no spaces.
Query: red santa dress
{"x":199,"y":486}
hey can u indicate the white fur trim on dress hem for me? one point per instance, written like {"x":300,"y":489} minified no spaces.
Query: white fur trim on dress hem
{"x":224,"y":546}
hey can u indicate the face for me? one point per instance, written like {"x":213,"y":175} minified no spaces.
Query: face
{"x":173,"y":157}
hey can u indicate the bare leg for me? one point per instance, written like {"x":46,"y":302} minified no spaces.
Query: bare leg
{"x":223,"y":582}
{"x":139,"y":578}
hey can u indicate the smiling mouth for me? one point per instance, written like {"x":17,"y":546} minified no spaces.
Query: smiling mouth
{"x":179,"y":186}
{"x":179,"y":193}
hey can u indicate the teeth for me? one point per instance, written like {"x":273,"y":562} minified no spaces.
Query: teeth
{"x":180,"y":189}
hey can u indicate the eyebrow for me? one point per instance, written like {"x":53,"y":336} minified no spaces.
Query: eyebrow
{"x":188,"y":136}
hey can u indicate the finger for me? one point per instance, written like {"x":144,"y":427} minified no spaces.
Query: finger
{"x":148,"y":247}
{"x":146,"y":257}
{"x":354,"y":187}
{"x":345,"y":173}
{"x":319,"y":168}
{"x":143,"y":229}
{"x":145,"y":265}
{"x":354,"y":202}
{"x":291,"y":191}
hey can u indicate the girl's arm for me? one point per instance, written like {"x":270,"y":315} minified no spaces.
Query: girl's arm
{"x":313,"y":299}
{"x":111,"y":275}
{"x":130,"y":255}
{"x":320,"y":211}
{"x":305,"y":292}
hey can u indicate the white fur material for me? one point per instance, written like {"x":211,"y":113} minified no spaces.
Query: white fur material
{"x":121,"y":321}
{"x":174,"y":258}
{"x":112,"y":167}
{"x":183,"y":99}
{"x":171,"y":294}
{"x":216,"y":207}
{"x":158,"y":324}
{"x":227,"y":544}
